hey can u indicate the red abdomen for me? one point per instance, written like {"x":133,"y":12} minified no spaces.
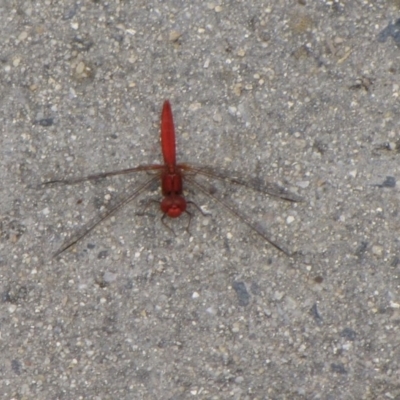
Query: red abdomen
{"x":168,"y":134}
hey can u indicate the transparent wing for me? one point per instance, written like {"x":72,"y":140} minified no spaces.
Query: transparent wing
{"x":246,"y":220}
{"x":151,"y":167}
{"x":88,"y":227}
{"x":257,"y":184}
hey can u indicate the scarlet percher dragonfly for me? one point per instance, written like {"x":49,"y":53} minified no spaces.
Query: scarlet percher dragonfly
{"x":172,"y":176}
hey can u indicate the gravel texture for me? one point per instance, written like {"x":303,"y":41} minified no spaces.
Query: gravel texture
{"x":303,"y":93}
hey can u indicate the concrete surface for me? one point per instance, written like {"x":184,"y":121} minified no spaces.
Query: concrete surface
{"x":305,"y":93}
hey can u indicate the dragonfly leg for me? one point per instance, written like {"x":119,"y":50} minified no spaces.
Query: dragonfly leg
{"x":147,"y":203}
{"x":191,"y":215}
{"x":166,"y":225}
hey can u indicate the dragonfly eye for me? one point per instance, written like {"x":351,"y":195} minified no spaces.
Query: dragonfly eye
{"x":173,"y":206}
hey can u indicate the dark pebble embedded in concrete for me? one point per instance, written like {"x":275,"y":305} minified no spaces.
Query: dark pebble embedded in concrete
{"x":45,"y":122}
{"x":392,"y":30}
{"x":348,"y":334}
{"x":315,"y":313}
{"x":242,"y":293}
{"x":338,"y":368}
{"x":389,"y":182}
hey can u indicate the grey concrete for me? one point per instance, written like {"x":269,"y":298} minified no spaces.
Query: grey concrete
{"x":306,"y":95}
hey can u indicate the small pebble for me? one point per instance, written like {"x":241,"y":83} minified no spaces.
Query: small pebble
{"x":217,"y":117}
{"x":22,"y":36}
{"x":377,"y":250}
{"x":278,"y":295}
{"x":174,"y":36}
{"x":12,"y":308}
{"x":289,"y":219}
{"x":109,"y":277}
{"x":303,"y":184}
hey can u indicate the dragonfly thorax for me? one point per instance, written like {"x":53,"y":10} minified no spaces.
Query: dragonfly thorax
{"x":171,"y":184}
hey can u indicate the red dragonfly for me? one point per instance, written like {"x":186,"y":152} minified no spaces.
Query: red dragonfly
{"x":172,"y":176}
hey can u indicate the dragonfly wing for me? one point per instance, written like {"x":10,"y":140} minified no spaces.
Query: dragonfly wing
{"x":270,"y":188}
{"x":88,"y":227}
{"x":151,"y":167}
{"x":246,"y":220}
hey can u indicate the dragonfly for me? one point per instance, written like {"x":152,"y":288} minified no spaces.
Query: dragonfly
{"x":172,"y":176}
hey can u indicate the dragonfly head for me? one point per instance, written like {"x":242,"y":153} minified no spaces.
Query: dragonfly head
{"x":173,"y":205}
